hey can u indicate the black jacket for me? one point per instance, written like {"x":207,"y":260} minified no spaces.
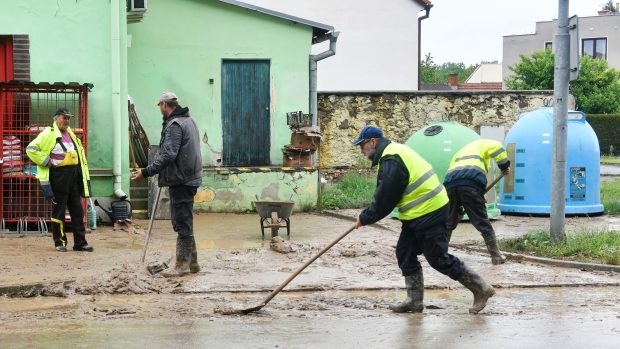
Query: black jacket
{"x":179,"y":161}
{"x":392,"y":180}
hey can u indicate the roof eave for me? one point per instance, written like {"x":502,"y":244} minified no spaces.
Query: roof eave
{"x":317,"y":28}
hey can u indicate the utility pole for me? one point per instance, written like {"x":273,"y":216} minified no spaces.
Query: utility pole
{"x":560,"y":126}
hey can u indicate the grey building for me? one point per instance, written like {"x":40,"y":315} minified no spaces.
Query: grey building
{"x":599,"y":37}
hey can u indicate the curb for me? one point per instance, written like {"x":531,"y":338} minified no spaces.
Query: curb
{"x":548,"y":261}
{"x":24,"y":291}
{"x":510,"y":256}
{"x":34,"y":290}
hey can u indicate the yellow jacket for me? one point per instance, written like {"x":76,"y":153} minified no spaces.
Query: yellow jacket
{"x":39,"y":151}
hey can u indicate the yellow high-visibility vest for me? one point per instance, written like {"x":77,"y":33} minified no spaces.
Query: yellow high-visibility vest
{"x":424,"y":193}
{"x":477,"y":155}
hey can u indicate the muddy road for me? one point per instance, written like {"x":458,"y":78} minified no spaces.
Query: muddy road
{"x":107,"y":299}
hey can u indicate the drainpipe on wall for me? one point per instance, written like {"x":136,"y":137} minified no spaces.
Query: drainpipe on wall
{"x":115,"y":48}
{"x":332,"y":37}
{"x":420,"y":19}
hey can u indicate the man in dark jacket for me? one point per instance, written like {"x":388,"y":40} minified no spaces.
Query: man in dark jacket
{"x":179,"y":165}
{"x":405,"y":180}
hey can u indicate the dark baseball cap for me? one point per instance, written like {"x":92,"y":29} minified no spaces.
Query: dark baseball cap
{"x":368,"y":132}
{"x":63,"y":111}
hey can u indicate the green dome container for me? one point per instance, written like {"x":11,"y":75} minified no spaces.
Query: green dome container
{"x":437,"y":143}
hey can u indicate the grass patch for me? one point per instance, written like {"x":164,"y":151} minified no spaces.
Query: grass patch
{"x":610,"y":196}
{"x":586,"y":246}
{"x":351,"y":191}
{"x":610,"y":159}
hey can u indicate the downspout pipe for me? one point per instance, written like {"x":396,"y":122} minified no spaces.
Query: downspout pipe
{"x":332,"y":37}
{"x":420,"y":19}
{"x":115,"y":49}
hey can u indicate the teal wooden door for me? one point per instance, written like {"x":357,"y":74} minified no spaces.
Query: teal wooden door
{"x":245,"y":113}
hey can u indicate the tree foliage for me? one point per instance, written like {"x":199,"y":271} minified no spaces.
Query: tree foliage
{"x":610,"y":6}
{"x":432,"y":73}
{"x":596,"y":91}
{"x":534,"y":72}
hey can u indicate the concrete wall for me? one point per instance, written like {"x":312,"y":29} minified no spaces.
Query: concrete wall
{"x":400,"y":115}
{"x":180,"y":45}
{"x":589,"y":27}
{"x":71,"y":41}
{"x":234,"y":192}
{"x":378,"y":44}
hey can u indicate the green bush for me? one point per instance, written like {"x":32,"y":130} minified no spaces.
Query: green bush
{"x":607,"y":129}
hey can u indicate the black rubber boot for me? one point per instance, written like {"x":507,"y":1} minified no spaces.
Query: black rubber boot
{"x":496,"y":256}
{"x":478,"y":286}
{"x":184,"y":257}
{"x":415,"y":295}
{"x":194,"y":267}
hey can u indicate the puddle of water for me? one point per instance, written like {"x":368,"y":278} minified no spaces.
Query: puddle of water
{"x":534,"y":318}
{"x":236,"y":231}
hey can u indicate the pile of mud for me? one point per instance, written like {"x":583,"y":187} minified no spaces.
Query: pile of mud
{"x":133,"y":279}
{"x":280,"y":245}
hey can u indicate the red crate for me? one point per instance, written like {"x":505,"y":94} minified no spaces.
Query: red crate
{"x":25,"y":109}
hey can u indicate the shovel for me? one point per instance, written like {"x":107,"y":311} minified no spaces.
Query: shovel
{"x":495,"y":181}
{"x":230,"y":311}
{"x":147,"y":238}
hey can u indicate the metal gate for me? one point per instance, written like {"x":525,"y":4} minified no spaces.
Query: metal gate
{"x":25,"y":110}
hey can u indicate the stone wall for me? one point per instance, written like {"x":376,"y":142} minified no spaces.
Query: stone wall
{"x":343,"y":114}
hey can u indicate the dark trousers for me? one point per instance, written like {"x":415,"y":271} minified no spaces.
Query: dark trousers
{"x":64,"y":183}
{"x":472,"y":201}
{"x":427,"y":235}
{"x":181,"y":210}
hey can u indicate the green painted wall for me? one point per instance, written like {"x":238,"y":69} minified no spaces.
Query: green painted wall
{"x":70,"y":41}
{"x":235,"y":192}
{"x":180,"y":45}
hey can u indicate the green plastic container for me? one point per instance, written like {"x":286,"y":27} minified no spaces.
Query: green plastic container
{"x":437,"y":143}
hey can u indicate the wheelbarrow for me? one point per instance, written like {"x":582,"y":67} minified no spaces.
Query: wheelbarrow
{"x":274,"y":215}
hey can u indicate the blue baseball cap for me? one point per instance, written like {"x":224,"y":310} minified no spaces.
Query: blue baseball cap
{"x":368,"y":132}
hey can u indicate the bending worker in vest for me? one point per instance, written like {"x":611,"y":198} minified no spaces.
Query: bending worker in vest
{"x":179,"y":165}
{"x":405,"y":180}
{"x":466,"y":181}
{"x":63,"y":173}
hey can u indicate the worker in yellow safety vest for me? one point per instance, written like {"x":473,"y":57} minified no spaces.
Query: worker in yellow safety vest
{"x":62,"y":171}
{"x":406,"y":181}
{"x":466,"y":181}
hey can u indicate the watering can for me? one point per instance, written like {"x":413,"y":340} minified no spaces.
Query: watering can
{"x":120,"y":210}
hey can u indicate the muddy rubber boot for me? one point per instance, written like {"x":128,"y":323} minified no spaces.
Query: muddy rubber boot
{"x":184,"y":257}
{"x":194,"y":267}
{"x":415,"y":295}
{"x":496,"y":256}
{"x":478,"y":286}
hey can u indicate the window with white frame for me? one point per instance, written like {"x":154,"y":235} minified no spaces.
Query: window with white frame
{"x":594,"y":47}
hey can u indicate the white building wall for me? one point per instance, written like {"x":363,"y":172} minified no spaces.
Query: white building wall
{"x":377,"y":48}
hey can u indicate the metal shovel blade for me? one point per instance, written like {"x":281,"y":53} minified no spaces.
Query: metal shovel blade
{"x":224,"y":310}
